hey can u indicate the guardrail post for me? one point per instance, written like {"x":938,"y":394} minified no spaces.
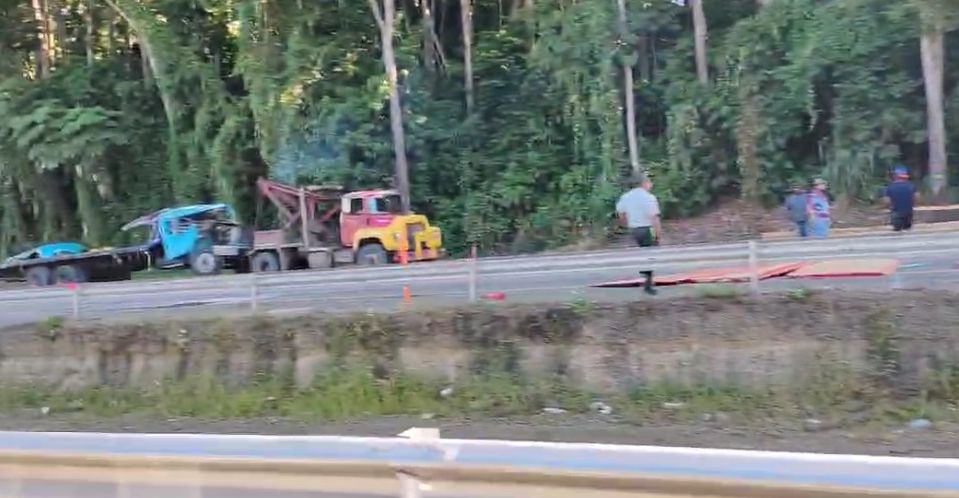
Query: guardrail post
{"x":753,"y":268}
{"x":253,"y":296}
{"x":473,"y":263}
{"x":410,"y":486}
{"x":895,"y":282}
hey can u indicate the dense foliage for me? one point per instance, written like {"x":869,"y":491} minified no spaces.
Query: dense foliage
{"x":113,"y":108}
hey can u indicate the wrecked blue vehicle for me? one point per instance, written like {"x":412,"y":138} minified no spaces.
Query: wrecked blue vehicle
{"x":205,"y":238}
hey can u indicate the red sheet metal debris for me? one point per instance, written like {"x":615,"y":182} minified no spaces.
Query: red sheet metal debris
{"x":711,"y":276}
{"x":846,"y":268}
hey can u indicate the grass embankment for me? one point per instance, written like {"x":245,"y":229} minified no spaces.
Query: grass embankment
{"x":834,"y":397}
{"x":363,"y":376}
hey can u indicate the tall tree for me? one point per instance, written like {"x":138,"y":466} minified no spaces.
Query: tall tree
{"x":628,"y":88}
{"x":700,"y":34}
{"x":934,"y":16}
{"x":43,"y":36}
{"x":466,"y":19}
{"x":385,"y":16}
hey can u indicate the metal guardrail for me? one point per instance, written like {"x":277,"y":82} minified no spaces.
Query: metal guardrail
{"x":426,"y":466}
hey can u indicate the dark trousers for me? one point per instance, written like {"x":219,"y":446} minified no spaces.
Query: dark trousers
{"x":644,"y":237}
{"x":802,"y":228}
{"x":901,"y":221}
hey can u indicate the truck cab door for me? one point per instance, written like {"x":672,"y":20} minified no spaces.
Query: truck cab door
{"x":352,"y":218}
{"x":178,"y":236}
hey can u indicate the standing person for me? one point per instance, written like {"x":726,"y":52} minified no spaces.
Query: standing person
{"x":817,"y":208}
{"x":901,"y":196}
{"x":638,"y":210}
{"x":796,"y":210}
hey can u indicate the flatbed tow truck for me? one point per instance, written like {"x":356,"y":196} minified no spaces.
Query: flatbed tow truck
{"x":321,"y":227}
{"x":204,"y":238}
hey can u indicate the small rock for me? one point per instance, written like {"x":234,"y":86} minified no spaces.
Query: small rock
{"x":554,"y":411}
{"x":600,"y":407}
{"x":812,"y":425}
{"x":427,"y":416}
{"x":447,"y":392}
{"x":721,"y":417}
{"x":45,"y":410}
{"x":672,"y":405}
{"x":920,"y":423}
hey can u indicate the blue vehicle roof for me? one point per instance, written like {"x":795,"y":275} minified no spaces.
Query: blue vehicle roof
{"x":178,"y":212}
{"x":184,"y":211}
{"x":47,"y":251}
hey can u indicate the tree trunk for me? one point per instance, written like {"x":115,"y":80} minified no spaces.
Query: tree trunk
{"x":631,"y":142}
{"x":89,"y":207}
{"x":700,"y":33}
{"x":466,"y":11}
{"x":385,"y":19}
{"x":90,"y":40}
{"x":156,"y":68}
{"x":433,"y":55}
{"x":145,"y":63}
{"x":43,"y":48}
{"x":59,"y":43}
{"x":111,"y":33}
{"x":933,"y":62}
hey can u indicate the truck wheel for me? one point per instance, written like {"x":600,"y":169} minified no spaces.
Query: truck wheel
{"x":320,"y":260}
{"x":266,"y":262}
{"x":70,"y":274}
{"x":204,"y":262}
{"x":39,"y":276}
{"x":371,"y":254}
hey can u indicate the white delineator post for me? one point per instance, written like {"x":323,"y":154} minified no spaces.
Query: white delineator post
{"x":472,"y":273}
{"x":412,"y":486}
{"x":253,"y":296}
{"x":76,"y":301}
{"x":753,"y":268}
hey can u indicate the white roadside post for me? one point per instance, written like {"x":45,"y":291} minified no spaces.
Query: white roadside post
{"x":253,"y":296}
{"x":473,"y":263}
{"x":410,"y":485}
{"x":753,"y":269}
{"x":76,"y":301}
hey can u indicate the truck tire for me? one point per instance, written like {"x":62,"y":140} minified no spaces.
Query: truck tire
{"x":70,"y":274}
{"x":39,"y":276}
{"x":371,"y":255}
{"x":204,"y":262}
{"x":320,"y":260}
{"x":266,"y":261}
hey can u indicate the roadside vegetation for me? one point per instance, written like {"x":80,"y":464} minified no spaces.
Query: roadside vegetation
{"x":363,"y":376}
{"x":831,"y":399}
{"x":517,"y":123}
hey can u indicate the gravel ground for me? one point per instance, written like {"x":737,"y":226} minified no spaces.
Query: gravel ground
{"x":938,"y":440}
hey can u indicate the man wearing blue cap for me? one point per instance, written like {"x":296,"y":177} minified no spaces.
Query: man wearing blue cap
{"x":901,"y":196}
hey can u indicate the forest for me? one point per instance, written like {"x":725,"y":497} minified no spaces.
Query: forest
{"x":513,"y":124}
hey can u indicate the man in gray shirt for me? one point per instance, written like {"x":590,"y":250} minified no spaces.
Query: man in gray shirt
{"x":638,"y":210}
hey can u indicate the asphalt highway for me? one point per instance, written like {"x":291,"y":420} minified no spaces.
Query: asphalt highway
{"x":928,"y":261}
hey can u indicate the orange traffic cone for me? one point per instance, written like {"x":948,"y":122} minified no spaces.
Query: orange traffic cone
{"x":407,"y":296}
